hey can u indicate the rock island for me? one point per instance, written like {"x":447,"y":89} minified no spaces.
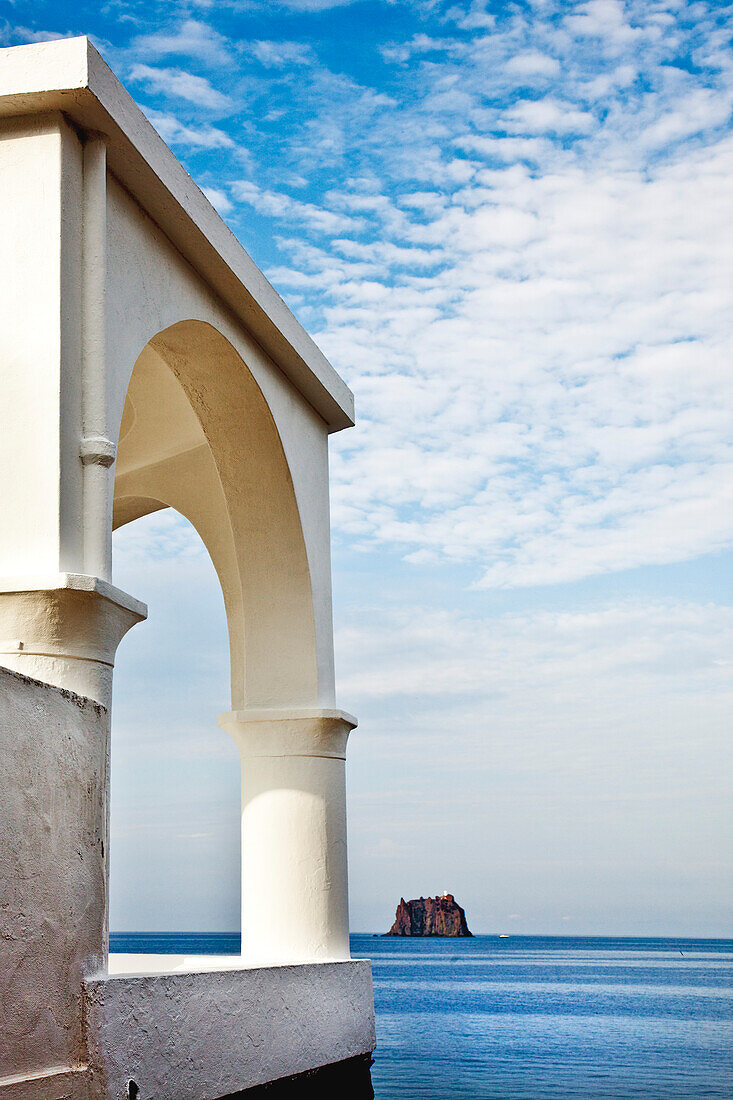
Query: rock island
{"x":440,"y":916}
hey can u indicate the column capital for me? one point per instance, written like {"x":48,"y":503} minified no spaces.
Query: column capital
{"x":292,"y":731}
{"x":64,"y":629}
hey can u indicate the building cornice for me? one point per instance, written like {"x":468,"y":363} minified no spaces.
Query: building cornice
{"x":70,"y":76}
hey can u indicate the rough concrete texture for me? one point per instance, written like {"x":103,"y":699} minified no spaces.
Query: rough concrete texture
{"x":66,"y":630}
{"x":205,"y":1036}
{"x":53,"y":761}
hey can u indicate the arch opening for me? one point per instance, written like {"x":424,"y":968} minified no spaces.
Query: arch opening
{"x":175,"y":863}
{"x":196,"y":434}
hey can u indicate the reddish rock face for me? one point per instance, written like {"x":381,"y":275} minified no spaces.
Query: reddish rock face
{"x":429,"y":917}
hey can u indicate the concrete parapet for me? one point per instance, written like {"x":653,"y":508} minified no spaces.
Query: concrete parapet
{"x":198,"y":1035}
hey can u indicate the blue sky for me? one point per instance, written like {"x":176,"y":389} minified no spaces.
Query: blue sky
{"x":508,"y":226}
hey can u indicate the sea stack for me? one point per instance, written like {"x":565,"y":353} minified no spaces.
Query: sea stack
{"x":440,"y":916}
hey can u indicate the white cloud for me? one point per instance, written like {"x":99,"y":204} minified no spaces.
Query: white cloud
{"x":21,"y":35}
{"x":195,"y":137}
{"x":191,"y":39}
{"x":180,"y":84}
{"x":419,"y":44}
{"x":698,"y":111}
{"x":281,"y":206}
{"x":533,"y":63}
{"x":218,"y":199}
{"x":546,"y":116}
{"x":666,"y":650}
{"x":277,"y":54}
{"x":605,"y":20}
{"x":474,"y":17}
{"x":538,"y":335}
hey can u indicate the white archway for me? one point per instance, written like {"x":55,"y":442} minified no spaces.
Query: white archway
{"x":147,"y":362}
{"x":197,"y":435}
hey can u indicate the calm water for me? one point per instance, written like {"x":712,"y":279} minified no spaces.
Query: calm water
{"x":529,"y":1017}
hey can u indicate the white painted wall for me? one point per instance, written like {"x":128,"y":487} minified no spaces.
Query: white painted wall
{"x":47,"y":514}
{"x":40,"y":261}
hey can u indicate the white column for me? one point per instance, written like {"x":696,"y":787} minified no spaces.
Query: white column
{"x":294,"y":871}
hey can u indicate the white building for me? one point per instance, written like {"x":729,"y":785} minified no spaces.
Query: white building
{"x":145,"y":362}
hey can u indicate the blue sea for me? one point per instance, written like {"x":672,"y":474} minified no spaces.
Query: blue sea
{"x":530,"y":1017}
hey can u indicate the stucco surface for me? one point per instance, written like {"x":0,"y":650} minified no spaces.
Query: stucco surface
{"x":293,"y":819}
{"x":53,"y":759}
{"x":201,"y":1036}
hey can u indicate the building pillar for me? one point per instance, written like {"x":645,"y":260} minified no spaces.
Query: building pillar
{"x":294,"y":871}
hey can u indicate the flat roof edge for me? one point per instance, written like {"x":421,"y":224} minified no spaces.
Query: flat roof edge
{"x":70,"y":75}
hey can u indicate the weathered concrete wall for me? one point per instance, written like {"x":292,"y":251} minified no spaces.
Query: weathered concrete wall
{"x":53,"y":769}
{"x":200,"y":1036}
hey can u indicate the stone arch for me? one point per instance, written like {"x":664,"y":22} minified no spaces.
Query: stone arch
{"x":197,"y":435}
